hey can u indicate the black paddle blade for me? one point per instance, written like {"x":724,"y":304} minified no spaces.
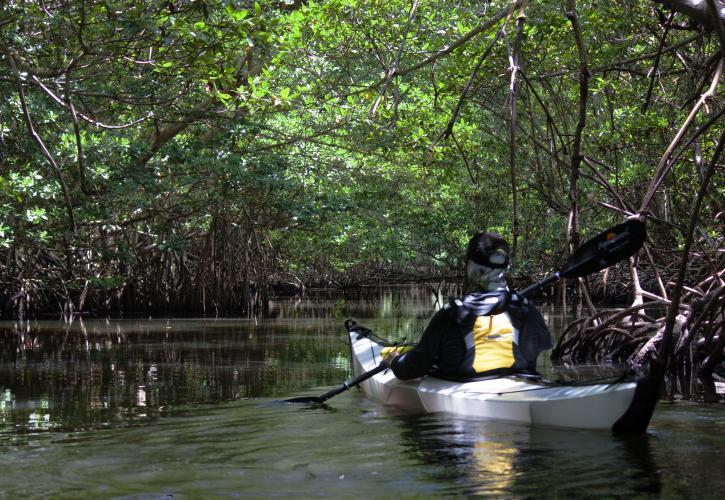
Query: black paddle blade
{"x":607,"y":248}
{"x":305,"y":400}
{"x":342,"y":388}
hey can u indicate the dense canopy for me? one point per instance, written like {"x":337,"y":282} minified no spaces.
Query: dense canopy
{"x":193,"y":155}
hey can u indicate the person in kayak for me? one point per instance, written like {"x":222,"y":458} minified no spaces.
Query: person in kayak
{"x":490,"y":331}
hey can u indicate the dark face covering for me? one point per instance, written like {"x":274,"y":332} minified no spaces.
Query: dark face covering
{"x":484,"y":278}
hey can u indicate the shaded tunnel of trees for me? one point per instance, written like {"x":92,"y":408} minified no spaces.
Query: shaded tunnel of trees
{"x":200,"y":156}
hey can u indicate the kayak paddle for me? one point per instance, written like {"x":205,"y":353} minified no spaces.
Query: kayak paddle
{"x":605,"y":249}
{"x":337,"y":390}
{"x":351,"y":325}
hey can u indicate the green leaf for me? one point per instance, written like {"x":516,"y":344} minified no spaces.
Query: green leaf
{"x":237,"y":15}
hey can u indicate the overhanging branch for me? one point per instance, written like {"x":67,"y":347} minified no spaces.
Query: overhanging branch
{"x":697,"y":10}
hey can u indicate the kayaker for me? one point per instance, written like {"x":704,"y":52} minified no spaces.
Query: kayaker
{"x":490,"y":331}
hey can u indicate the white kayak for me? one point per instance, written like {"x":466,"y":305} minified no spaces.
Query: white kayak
{"x":624,"y":407}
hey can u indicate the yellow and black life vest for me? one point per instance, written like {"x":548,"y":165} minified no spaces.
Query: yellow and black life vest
{"x":494,"y":343}
{"x":490,"y":334}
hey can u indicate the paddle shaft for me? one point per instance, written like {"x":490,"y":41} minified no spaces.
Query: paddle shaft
{"x":552,"y":278}
{"x":352,"y":383}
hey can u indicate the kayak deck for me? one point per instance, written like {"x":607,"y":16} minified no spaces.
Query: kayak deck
{"x":511,"y":398}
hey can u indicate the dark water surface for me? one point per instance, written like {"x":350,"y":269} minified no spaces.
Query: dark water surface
{"x":191,"y":408}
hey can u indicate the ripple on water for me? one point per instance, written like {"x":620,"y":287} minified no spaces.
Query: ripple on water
{"x":148,"y":417}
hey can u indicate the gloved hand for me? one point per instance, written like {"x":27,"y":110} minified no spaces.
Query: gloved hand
{"x":389,"y":357}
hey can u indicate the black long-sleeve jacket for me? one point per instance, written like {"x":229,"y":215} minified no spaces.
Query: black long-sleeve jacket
{"x":447,"y":348}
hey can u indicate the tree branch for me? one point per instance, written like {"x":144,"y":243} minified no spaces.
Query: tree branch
{"x":718,"y":24}
{"x":654,"y":69}
{"x":573,"y":224}
{"x":462,"y":99}
{"x":502,"y":14}
{"x":401,"y":48}
{"x":513,"y":89}
{"x":697,"y":10}
{"x":86,"y":118}
{"x":621,"y":64}
{"x":664,"y":165}
{"x":665,"y":348}
{"x":39,"y":141}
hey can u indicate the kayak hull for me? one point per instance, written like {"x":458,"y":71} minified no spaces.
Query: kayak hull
{"x":610,"y":406}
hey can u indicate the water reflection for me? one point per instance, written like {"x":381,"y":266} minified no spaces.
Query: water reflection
{"x":403,"y":301}
{"x":205,"y":392}
{"x":501,"y":459}
{"x":58,"y":375}
{"x":80,"y":374}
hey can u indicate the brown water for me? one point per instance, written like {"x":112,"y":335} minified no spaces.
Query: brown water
{"x":191,"y":408}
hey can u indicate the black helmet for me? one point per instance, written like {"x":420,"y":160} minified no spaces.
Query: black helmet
{"x":488,"y":249}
